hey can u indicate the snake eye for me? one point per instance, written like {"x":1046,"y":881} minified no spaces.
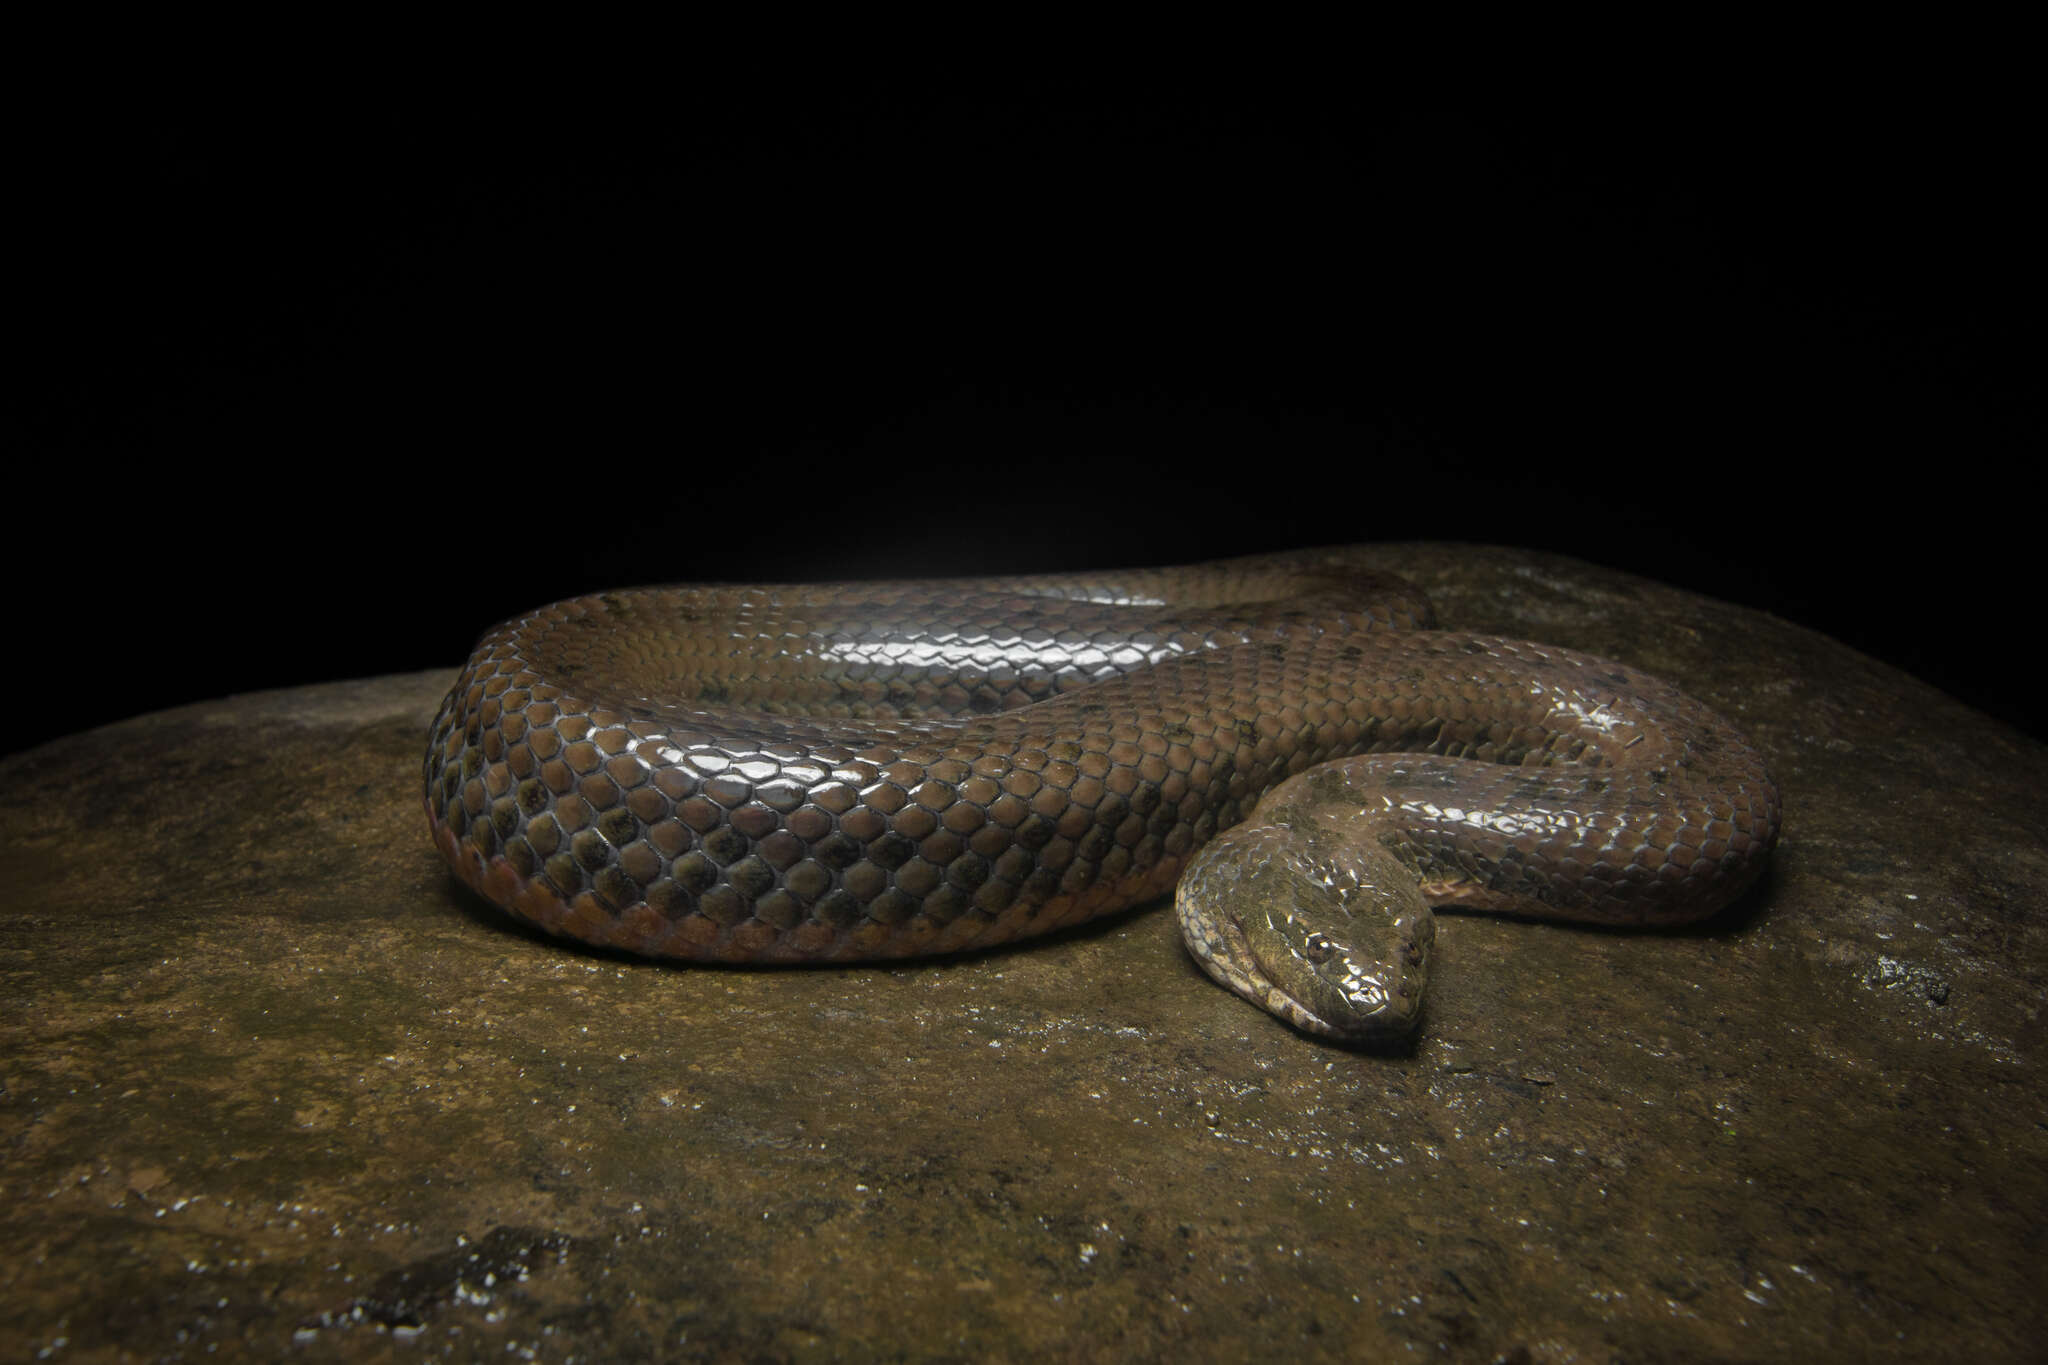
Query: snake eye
{"x":1320,"y":948}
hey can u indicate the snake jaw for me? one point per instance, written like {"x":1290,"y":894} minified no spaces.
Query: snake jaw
{"x":1342,"y":990}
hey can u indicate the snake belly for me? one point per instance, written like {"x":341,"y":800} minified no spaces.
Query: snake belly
{"x":842,"y":772}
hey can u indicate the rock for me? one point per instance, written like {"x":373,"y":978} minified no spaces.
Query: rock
{"x":274,"y":1082}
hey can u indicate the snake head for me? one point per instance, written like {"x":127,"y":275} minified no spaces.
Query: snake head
{"x":1331,"y":934}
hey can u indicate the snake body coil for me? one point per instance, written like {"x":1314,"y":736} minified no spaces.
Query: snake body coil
{"x":870,"y":770}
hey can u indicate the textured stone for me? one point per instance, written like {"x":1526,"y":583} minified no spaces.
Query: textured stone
{"x":274,"y":1084}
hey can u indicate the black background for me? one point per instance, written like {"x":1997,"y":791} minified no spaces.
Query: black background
{"x":322,"y":391}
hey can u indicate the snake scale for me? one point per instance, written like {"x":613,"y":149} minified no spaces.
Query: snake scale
{"x":846,"y":772}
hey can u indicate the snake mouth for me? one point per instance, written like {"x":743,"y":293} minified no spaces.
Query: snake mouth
{"x":1348,"y":1004}
{"x":1350,"y":979}
{"x":1370,"y":1010}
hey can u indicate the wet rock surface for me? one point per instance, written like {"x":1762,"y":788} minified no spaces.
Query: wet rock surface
{"x":275,"y":1085}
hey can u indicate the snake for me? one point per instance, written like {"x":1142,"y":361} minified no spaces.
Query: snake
{"x":1287,"y":743}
